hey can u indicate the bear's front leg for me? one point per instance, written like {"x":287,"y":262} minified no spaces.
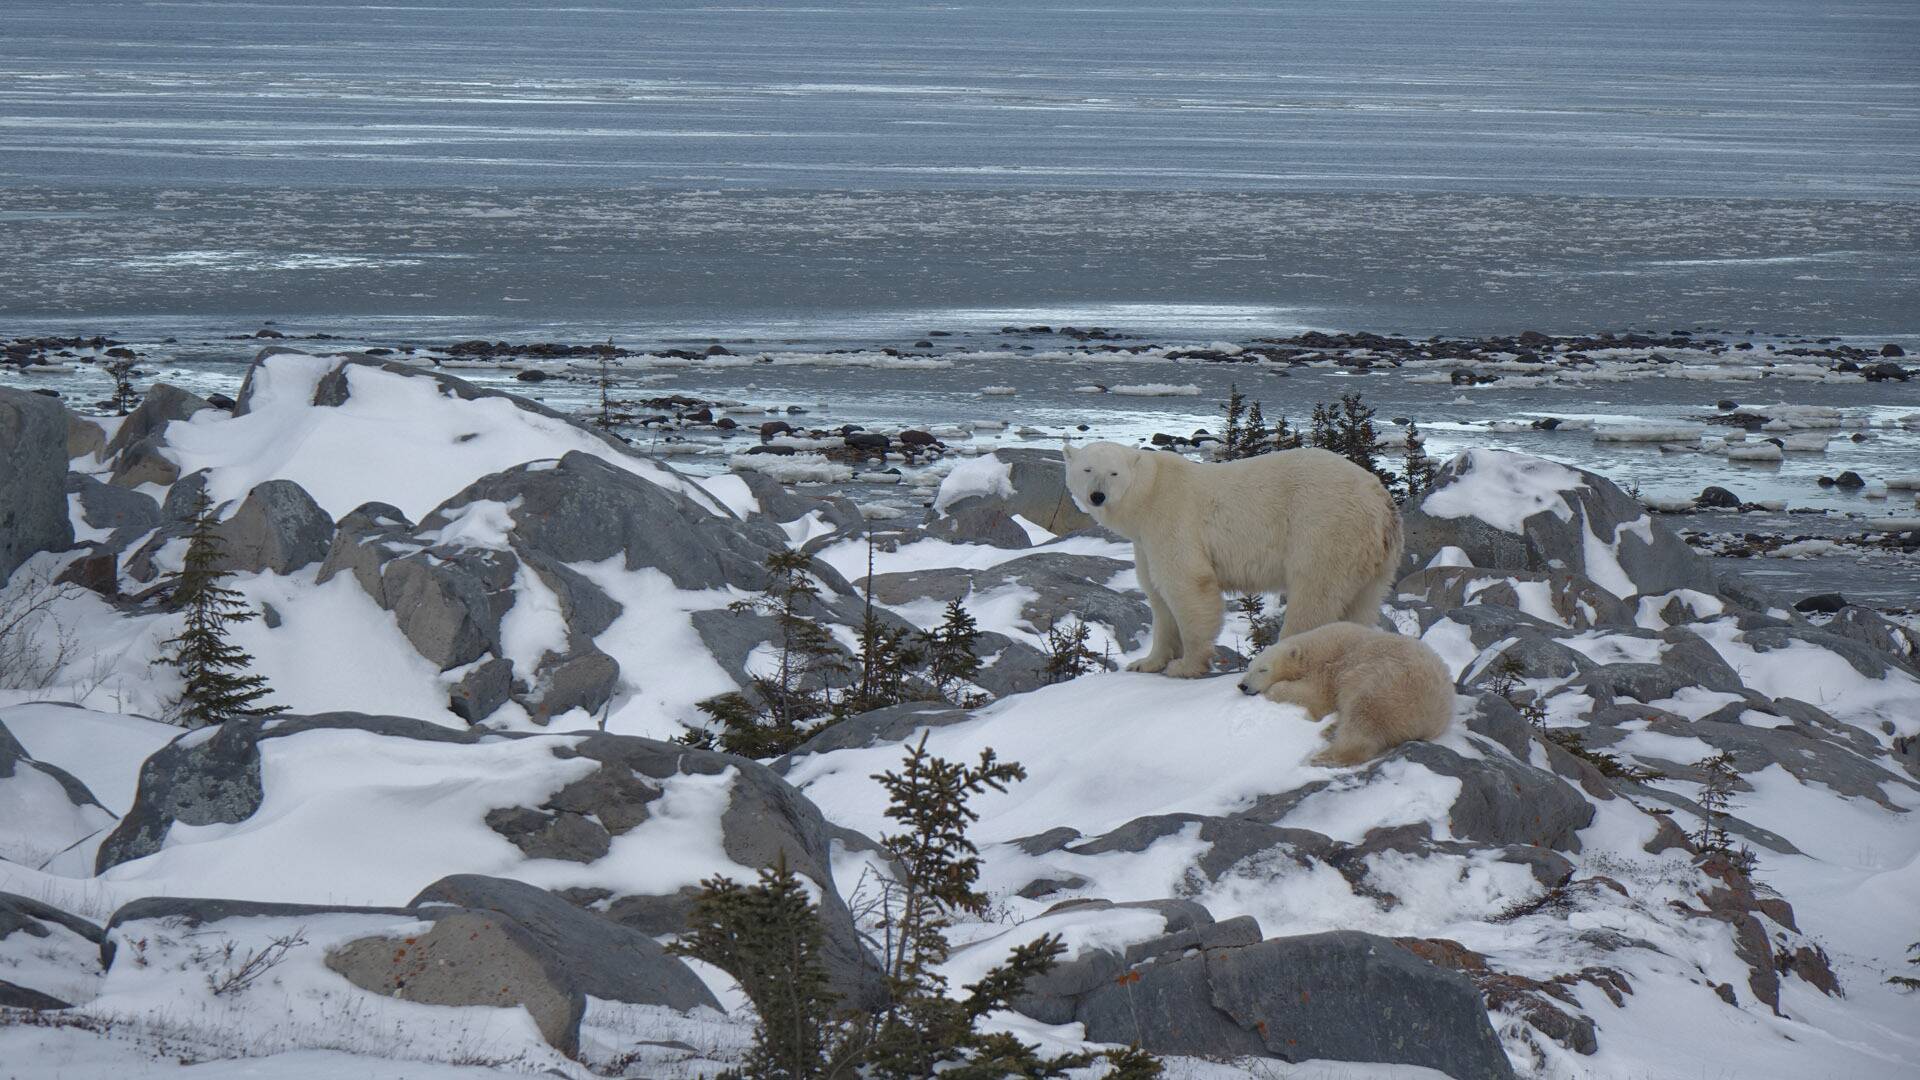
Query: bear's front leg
{"x":1302,"y":693}
{"x":1166,"y":632}
{"x":1198,"y":611}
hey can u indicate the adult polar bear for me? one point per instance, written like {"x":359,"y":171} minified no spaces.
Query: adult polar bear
{"x":1307,"y":522}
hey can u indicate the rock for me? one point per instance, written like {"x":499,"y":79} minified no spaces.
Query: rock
{"x":586,"y":680}
{"x":1039,"y":492}
{"x":1584,"y":525}
{"x":1060,"y":584}
{"x":127,"y":514}
{"x":43,"y":809}
{"x":164,"y":403}
{"x":33,"y":499}
{"x":278,"y":528}
{"x":1824,"y":603}
{"x":449,"y":603}
{"x":1572,"y":600}
{"x":481,"y":690}
{"x":1340,"y":996}
{"x":217,"y":779}
{"x":50,"y":958}
{"x":1527,"y":655}
{"x":893,"y":724}
{"x":1717,"y":498}
{"x":582,"y":509}
{"x":1890,"y":349}
{"x":84,"y":437}
{"x":979,"y":524}
{"x":1849,"y":481}
{"x":1885,"y":371}
{"x":97,"y":571}
{"x":368,"y":538}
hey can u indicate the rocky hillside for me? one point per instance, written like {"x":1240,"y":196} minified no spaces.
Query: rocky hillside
{"x":1669,"y":833}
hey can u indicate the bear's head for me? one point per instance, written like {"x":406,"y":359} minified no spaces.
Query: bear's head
{"x":1279,"y":662}
{"x":1099,"y":476}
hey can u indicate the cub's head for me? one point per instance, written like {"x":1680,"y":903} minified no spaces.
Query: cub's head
{"x":1099,"y":476}
{"x":1278,"y":662}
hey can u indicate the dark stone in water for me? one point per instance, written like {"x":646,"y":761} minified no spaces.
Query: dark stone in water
{"x":1718,"y":498}
{"x":1822,"y":603}
{"x":1726,"y":404}
{"x":777,"y":451}
{"x":220,"y":401}
{"x":1850,"y":480}
{"x":1886,"y":371}
{"x":531,"y":375}
{"x":1890,"y":349}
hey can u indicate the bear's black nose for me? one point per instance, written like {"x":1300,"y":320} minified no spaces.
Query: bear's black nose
{"x":1097,"y":498}
{"x":1245,"y":689}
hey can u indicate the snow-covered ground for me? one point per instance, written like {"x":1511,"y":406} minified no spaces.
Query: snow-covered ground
{"x":1141,"y":789}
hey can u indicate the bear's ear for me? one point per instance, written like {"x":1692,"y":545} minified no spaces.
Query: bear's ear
{"x":1066,"y":451}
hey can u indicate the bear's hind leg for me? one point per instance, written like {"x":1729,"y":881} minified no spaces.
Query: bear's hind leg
{"x":1361,"y":734}
{"x":1310,"y":607}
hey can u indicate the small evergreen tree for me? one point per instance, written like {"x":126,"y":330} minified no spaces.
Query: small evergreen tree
{"x":780,"y":710}
{"x":1908,"y":982}
{"x":951,"y":657}
{"x":886,"y":656}
{"x":1419,"y":470}
{"x":217,"y":689}
{"x":1358,"y":440}
{"x":1232,"y":434}
{"x":612,"y":410}
{"x":1716,"y":795}
{"x":1065,"y":646}
{"x":1284,"y":436}
{"x":1255,"y":439}
{"x":1262,"y":629}
{"x":125,"y":398}
{"x":769,"y":938}
{"x":1320,"y":430}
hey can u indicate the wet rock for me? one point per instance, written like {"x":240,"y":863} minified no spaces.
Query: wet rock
{"x":1824,"y":603}
{"x":1717,"y":498}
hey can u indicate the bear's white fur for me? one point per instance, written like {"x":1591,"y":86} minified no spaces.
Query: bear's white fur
{"x":1306,"y":522}
{"x":1388,"y":689}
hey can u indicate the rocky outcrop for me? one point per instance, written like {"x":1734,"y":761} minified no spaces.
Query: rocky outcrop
{"x":49,"y":959}
{"x":135,"y":448}
{"x":217,"y":779}
{"x":1038,"y":485}
{"x":1340,"y":996}
{"x":1584,"y":525}
{"x":33,"y":500}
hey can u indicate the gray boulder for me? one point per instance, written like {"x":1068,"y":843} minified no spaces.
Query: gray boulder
{"x":33,"y":497}
{"x":367,"y":539}
{"x":278,"y":528}
{"x":449,"y":602}
{"x":979,"y":524}
{"x":1039,"y":485}
{"x":1340,"y":996}
{"x":127,"y":514}
{"x":84,"y":437}
{"x":135,"y":448}
{"x":1556,"y":537}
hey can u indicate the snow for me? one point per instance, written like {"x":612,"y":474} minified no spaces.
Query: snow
{"x":347,"y":455}
{"x":101,"y":750}
{"x":1156,"y":390}
{"x":984,"y":475}
{"x":796,"y":469}
{"x":1504,"y":489}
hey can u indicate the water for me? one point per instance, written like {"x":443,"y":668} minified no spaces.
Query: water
{"x":1411,"y":165}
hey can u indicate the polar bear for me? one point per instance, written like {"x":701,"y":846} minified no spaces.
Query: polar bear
{"x":1305,"y":521}
{"x":1388,"y":689}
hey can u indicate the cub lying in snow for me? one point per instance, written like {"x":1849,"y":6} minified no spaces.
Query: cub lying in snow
{"x":1307,"y":521}
{"x":1388,"y":689}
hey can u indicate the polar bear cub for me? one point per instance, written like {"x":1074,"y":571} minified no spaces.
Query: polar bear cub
{"x":1307,"y":522}
{"x":1388,"y":689}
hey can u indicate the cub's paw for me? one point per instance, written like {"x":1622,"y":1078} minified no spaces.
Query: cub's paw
{"x":1148,"y":663}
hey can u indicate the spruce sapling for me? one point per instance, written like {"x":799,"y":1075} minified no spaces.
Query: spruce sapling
{"x":214,"y":668}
